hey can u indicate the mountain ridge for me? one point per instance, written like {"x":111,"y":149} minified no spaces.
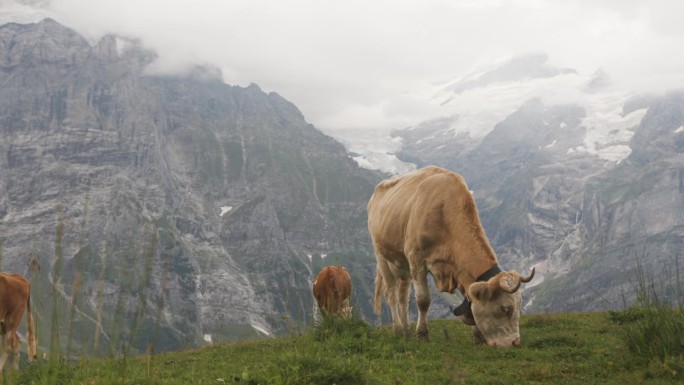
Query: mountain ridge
{"x":198,"y":201}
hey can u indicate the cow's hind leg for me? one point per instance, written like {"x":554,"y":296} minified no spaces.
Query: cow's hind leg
{"x":402,"y":290}
{"x":391,"y":278}
{"x":14,"y":350}
{"x":423,"y":301}
{"x":5,"y":350}
{"x":389,"y":289}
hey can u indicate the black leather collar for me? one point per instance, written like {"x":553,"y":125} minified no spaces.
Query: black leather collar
{"x":464,"y":307}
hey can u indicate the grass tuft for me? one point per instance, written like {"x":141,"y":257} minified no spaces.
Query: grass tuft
{"x":627,"y":316}
{"x":334,"y":326}
{"x":295,"y":369}
{"x":539,"y":321}
{"x":654,"y":328}
{"x":658,"y":333}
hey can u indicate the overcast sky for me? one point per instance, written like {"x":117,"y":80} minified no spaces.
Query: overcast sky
{"x":361,"y":63}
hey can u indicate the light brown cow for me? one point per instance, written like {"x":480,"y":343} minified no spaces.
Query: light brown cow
{"x":15,"y":298}
{"x":332,"y":289}
{"x":426,"y":222}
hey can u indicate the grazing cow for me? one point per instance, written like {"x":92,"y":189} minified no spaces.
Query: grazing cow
{"x":15,"y":298}
{"x":332,"y":289}
{"x":426,"y":222}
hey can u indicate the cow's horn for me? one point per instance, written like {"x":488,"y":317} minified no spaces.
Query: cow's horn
{"x":528,"y":278}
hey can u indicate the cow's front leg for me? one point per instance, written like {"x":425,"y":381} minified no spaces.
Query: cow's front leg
{"x":423,"y":301}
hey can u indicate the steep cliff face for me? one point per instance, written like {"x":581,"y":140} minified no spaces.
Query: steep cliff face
{"x":632,"y":217}
{"x":178,"y":207}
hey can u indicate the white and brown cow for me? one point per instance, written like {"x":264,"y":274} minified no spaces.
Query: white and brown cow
{"x":15,"y":298}
{"x":332,"y":289}
{"x":426,"y":222}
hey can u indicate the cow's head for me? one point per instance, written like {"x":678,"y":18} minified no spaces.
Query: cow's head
{"x":496,"y":308}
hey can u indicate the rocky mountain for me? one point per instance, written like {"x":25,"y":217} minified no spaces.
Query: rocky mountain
{"x":160,"y":211}
{"x":570,"y":176}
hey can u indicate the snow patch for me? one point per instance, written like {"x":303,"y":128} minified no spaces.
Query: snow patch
{"x":680,"y":129}
{"x":528,"y":304}
{"x":373,"y":149}
{"x":260,"y":329}
{"x":608,"y":131}
{"x":552,"y":144}
{"x":224,"y":210}
{"x":207,"y":337}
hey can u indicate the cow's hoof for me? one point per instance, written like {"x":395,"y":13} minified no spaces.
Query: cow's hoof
{"x":423,"y":335}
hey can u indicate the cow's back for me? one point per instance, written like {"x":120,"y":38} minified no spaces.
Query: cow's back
{"x":408,"y":203}
{"x":14,"y":292}
{"x":332,"y":289}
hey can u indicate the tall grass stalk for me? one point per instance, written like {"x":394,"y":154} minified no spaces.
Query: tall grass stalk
{"x":80,"y":266}
{"x":657,"y":326}
{"x":100,"y":293}
{"x":55,"y":355}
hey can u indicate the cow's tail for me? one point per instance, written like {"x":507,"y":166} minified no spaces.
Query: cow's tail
{"x":379,"y":284}
{"x":31,"y":330}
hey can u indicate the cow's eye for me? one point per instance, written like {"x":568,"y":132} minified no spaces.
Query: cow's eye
{"x":507,"y":310}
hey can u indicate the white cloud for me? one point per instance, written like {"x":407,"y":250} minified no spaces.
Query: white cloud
{"x":357,"y":63}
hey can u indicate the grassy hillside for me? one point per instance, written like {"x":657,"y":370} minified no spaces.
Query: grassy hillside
{"x":572,"y":348}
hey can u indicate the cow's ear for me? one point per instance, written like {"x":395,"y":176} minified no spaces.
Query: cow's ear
{"x":480,"y":291}
{"x":509,"y":281}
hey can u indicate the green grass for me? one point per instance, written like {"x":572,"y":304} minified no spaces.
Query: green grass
{"x":571,"y":348}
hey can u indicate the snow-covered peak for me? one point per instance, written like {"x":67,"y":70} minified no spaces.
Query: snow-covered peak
{"x":515,"y":69}
{"x":472,"y":105}
{"x":475,"y":104}
{"x":479,"y":109}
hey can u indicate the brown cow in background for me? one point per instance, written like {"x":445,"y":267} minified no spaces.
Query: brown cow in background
{"x":15,"y":298}
{"x":426,"y":222}
{"x":332,"y":289}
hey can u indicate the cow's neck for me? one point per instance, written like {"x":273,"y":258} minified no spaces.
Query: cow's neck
{"x":473,"y":256}
{"x":489,"y":274}
{"x":479,"y":272}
